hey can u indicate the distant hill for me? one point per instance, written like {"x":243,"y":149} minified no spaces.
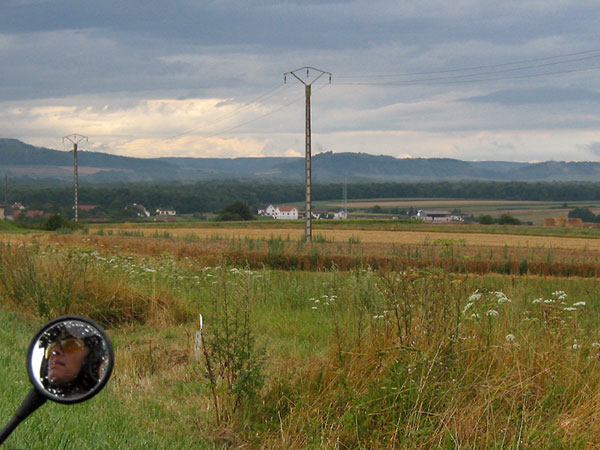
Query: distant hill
{"x":26,"y":162}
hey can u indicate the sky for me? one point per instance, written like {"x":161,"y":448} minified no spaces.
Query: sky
{"x":517,"y":80}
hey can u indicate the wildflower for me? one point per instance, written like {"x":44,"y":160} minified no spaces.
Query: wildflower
{"x":570,"y":308}
{"x":380,"y":316}
{"x":575,"y":346}
{"x":467,"y":307}
{"x":510,"y":338}
{"x":549,"y":300}
{"x":537,"y":300}
{"x":503,"y":300}
{"x":492,"y":313}
{"x":596,"y":344}
{"x":476,"y":316}
{"x":475,"y":296}
{"x":314,"y":307}
{"x":579,"y":304}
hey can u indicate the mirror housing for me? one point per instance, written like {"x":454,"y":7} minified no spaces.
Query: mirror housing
{"x":70,"y":359}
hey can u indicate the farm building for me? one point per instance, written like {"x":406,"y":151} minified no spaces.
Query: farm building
{"x":438,"y":216}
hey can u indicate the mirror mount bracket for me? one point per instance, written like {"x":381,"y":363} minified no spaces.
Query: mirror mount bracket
{"x":32,"y":402}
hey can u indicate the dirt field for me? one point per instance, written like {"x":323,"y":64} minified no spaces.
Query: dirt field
{"x":385,"y":237}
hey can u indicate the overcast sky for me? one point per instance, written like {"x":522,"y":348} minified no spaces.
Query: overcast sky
{"x":515,"y":80}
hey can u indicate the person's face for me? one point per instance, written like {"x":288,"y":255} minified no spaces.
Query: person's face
{"x":64,"y":360}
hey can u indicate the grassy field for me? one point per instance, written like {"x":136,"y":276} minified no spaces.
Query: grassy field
{"x":370,"y":337}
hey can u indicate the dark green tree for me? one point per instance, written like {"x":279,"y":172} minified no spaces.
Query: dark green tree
{"x":582,"y":213}
{"x":236,"y":211}
{"x":507,"y":219}
{"x":486,"y":220}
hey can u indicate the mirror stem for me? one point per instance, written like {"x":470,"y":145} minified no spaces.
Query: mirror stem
{"x":32,"y":402}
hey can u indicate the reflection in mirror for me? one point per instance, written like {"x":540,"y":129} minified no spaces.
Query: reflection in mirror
{"x":70,"y":359}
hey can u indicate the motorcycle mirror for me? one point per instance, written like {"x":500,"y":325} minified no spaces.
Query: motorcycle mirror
{"x":70,"y":359}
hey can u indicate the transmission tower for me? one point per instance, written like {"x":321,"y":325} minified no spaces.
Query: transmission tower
{"x":307,"y":85}
{"x":75,"y":139}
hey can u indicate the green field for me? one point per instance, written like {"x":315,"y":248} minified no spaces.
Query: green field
{"x":422,"y":357}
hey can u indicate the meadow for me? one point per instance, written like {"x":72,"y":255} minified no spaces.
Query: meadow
{"x":369,"y":337}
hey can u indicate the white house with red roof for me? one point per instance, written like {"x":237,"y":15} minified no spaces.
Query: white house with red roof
{"x":286,"y":212}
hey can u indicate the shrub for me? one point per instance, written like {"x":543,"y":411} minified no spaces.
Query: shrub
{"x":486,"y":220}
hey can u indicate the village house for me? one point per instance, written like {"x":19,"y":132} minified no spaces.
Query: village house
{"x":319,"y":214}
{"x":166,"y":212}
{"x":2,"y":213}
{"x":87,"y":207}
{"x":286,"y":213}
{"x":140,"y":210}
{"x":268,"y":210}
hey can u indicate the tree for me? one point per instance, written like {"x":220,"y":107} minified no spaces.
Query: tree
{"x":235,"y":211}
{"x":486,"y":220}
{"x":582,"y":213}
{"x":507,"y":219}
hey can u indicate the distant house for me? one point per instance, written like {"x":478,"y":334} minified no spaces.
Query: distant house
{"x":166,"y":212}
{"x":165,"y":219}
{"x":18,"y":205}
{"x":319,"y":214}
{"x":268,"y":210}
{"x":340,"y":215}
{"x":36,"y":213}
{"x":139,"y":209}
{"x":2,"y":212}
{"x":437,"y":216}
{"x":286,"y":213}
{"x":87,"y":207}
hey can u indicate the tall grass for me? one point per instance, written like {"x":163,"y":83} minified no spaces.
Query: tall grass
{"x":414,"y":358}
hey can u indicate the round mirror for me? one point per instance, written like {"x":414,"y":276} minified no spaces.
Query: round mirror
{"x":70,"y":359}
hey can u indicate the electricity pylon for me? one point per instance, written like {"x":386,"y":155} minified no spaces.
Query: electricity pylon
{"x":75,"y":139}
{"x":308,"y":199}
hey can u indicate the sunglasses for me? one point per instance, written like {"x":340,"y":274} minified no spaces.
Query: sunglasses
{"x":69,"y":345}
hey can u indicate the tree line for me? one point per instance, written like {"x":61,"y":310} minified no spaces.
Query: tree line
{"x":213,"y":196}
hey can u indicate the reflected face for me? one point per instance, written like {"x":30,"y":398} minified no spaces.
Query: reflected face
{"x":65,"y":358}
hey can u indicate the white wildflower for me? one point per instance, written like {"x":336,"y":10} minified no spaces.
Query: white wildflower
{"x":570,"y":308}
{"x":549,"y":300}
{"x":596,"y":344}
{"x":575,"y":346}
{"x":537,"y":300}
{"x":579,"y":304}
{"x":492,"y":313}
{"x":467,"y":307}
{"x":510,"y":338}
{"x":475,"y":296}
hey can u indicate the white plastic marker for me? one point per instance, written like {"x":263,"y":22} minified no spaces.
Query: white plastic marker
{"x":198,"y":346}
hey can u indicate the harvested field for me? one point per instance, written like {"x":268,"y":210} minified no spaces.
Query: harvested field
{"x":382,"y":237}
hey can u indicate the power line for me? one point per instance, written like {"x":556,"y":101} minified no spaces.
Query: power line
{"x":465,"y":79}
{"x":270,"y":93}
{"x":463,"y":69}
